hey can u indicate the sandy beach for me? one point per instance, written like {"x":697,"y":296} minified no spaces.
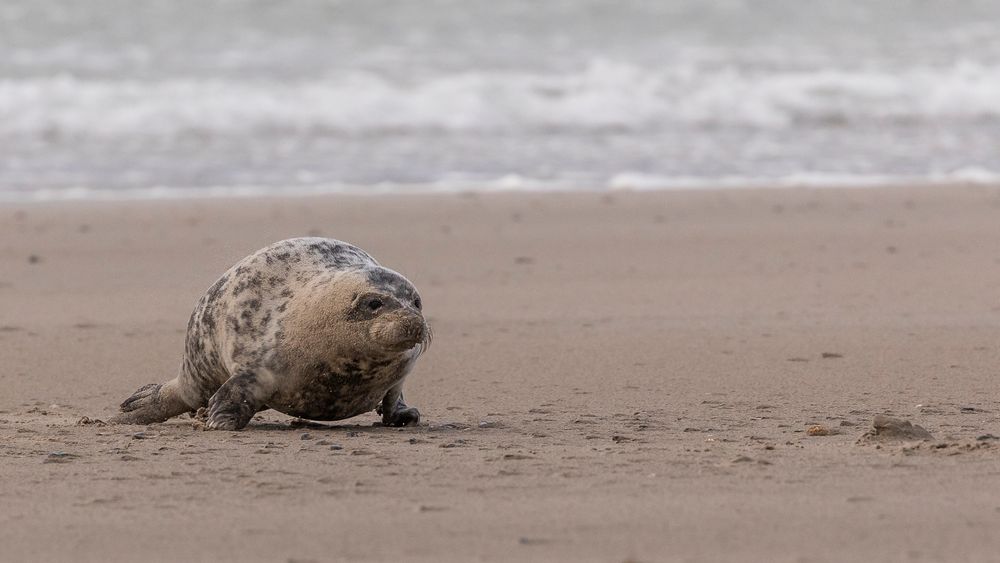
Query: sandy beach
{"x":614,"y":377}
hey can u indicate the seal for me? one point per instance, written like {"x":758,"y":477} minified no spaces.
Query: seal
{"x":311,"y":327}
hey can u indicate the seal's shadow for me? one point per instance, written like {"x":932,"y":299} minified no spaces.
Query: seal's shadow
{"x":298,"y":425}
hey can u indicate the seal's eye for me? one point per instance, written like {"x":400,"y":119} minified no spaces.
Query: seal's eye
{"x":416,"y":303}
{"x":375,"y":304}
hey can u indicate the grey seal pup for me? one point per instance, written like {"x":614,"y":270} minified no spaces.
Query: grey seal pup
{"x":311,"y":327}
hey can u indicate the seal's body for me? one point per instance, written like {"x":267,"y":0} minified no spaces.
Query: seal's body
{"x":310,"y":327}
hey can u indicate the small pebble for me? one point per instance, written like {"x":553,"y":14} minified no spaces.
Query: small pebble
{"x":58,"y":457}
{"x":532,"y":541}
{"x":819,"y":430}
{"x":87,"y":420}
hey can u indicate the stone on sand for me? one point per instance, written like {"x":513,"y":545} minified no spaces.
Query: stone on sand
{"x":888,"y":429}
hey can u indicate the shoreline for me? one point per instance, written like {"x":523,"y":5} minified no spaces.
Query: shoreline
{"x":164,"y":193}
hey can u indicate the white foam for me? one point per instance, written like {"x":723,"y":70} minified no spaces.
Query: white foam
{"x":603,"y":95}
{"x":630,"y":181}
{"x":624,"y":181}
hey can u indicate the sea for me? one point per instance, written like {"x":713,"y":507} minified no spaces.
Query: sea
{"x":106,"y":99}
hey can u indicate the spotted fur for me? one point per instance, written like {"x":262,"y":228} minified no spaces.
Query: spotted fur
{"x":295,"y":327}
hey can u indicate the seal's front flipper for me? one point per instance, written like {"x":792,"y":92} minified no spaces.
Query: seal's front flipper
{"x":395,"y":412}
{"x":235,"y":403}
{"x":155,"y":402}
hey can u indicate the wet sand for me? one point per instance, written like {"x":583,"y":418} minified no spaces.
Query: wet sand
{"x":623,"y":377}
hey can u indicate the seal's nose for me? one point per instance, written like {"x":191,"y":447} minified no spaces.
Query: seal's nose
{"x":410,"y":329}
{"x":416,"y":330}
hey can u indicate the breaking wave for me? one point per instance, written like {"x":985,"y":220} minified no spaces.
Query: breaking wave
{"x":604,"y":95}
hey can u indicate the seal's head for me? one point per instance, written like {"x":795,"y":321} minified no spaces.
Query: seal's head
{"x":369,"y":312}
{"x":392,"y":310}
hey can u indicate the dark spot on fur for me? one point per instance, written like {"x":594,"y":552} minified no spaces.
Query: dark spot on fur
{"x":380,"y":277}
{"x":213,"y":292}
{"x":338,"y":255}
{"x":347,"y":374}
{"x":352,"y":367}
{"x":325,"y":248}
{"x":391,"y":282}
{"x":207,"y":320}
{"x":254,"y":281}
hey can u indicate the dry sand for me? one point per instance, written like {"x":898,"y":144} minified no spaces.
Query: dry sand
{"x":624,"y":377}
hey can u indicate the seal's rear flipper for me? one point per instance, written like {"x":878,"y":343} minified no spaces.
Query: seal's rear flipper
{"x":155,"y":402}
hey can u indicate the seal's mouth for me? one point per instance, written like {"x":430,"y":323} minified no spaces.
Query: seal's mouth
{"x":403,"y":333}
{"x":418,"y":335}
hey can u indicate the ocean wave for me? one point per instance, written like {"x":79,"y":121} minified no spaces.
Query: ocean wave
{"x":623,"y":181}
{"x":633,"y":181}
{"x":604,"y":95}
